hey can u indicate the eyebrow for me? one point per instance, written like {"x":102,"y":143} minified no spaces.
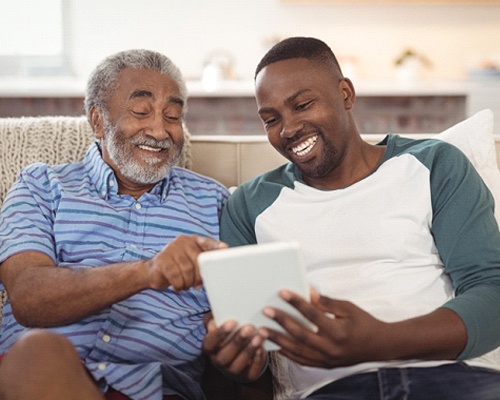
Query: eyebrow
{"x":176,"y":100}
{"x":140,"y":93}
{"x":289,"y":100}
{"x":292,"y":98}
{"x":146,"y":93}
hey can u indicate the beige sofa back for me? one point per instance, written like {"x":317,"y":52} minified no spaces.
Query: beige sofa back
{"x":229,"y":159}
{"x":234,"y":159}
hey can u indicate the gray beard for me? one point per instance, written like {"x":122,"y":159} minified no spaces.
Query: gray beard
{"x":130,"y":168}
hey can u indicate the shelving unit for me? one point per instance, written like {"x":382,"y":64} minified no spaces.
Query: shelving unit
{"x":381,"y":107}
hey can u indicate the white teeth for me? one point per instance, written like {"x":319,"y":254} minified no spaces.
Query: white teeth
{"x":305,"y":147}
{"x":144,"y":147}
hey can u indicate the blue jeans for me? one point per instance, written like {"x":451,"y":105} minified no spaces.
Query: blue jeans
{"x":456,"y":381}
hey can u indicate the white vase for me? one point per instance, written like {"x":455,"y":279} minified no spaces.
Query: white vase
{"x":408,"y":71}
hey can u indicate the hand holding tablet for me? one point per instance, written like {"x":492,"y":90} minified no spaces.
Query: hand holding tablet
{"x":242,"y":281}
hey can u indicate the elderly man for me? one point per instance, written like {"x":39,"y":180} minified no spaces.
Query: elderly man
{"x":400,"y":241}
{"x":102,"y":253}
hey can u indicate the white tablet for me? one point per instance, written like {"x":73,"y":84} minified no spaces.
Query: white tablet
{"x":241,"y":281}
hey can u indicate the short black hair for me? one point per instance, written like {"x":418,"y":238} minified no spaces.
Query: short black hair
{"x":300,"y":47}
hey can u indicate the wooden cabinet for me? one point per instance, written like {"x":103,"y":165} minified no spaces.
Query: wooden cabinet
{"x":40,"y":106}
{"x":373,"y":114}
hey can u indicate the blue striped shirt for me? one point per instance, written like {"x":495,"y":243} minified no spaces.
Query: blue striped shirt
{"x":150,"y":343}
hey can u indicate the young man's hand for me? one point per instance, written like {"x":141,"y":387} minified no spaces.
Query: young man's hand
{"x":235,"y":351}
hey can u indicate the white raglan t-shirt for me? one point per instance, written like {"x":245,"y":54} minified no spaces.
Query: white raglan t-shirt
{"x":392,"y":243}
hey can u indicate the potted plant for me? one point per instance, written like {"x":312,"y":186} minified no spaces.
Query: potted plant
{"x":409,"y":64}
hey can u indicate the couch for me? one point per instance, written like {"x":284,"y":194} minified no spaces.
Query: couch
{"x":229,"y":159}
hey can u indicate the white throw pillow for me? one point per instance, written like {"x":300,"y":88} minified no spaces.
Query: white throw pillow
{"x":474,"y":137}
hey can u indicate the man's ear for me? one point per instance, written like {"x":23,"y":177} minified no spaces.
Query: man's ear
{"x":348,"y":93}
{"x":97,"y":122}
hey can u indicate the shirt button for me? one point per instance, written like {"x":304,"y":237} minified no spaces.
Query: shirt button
{"x":106,"y":338}
{"x":111,"y":183}
{"x":103,"y":193}
{"x":133,"y":246}
{"x":101,"y":366}
{"x":138,"y":206}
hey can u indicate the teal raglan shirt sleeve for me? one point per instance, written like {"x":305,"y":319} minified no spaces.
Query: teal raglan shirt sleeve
{"x":237,"y":223}
{"x":468,"y":240}
{"x":248,"y":201}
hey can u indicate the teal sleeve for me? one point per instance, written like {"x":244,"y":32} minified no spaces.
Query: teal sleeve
{"x":468,"y":240}
{"x":250,"y":200}
{"x":237,"y":224}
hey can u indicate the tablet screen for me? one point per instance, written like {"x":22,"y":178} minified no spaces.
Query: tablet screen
{"x":241,"y":281}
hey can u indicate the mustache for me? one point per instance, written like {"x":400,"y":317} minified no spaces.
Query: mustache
{"x":145,"y":140}
{"x":300,"y":134}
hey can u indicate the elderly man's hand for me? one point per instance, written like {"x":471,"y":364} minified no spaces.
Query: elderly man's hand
{"x":177,"y":265}
{"x":238,"y":352}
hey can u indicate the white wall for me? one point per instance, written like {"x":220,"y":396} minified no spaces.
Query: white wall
{"x":454,"y":37}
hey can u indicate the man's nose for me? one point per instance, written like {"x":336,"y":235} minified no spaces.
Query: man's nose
{"x":290,"y":127}
{"x":157,"y":127}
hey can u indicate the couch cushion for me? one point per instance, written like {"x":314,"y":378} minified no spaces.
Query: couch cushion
{"x":52,"y":140}
{"x":233,"y":159}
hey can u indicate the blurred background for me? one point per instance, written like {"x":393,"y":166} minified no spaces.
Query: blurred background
{"x":396,"y":52}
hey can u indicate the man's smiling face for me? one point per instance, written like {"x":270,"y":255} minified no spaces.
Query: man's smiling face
{"x":142,"y":135}
{"x":303,"y":107}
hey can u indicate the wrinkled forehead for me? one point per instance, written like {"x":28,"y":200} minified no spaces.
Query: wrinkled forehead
{"x":147,"y":84}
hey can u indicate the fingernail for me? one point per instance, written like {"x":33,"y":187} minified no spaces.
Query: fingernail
{"x":246,"y":331}
{"x":229,"y":326}
{"x":314,"y":294}
{"x":212,"y":326}
{"x":256,"y":341}
{"x":269,"y":312}
{"x":201,"y":240}
{"x":285,"y":295}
